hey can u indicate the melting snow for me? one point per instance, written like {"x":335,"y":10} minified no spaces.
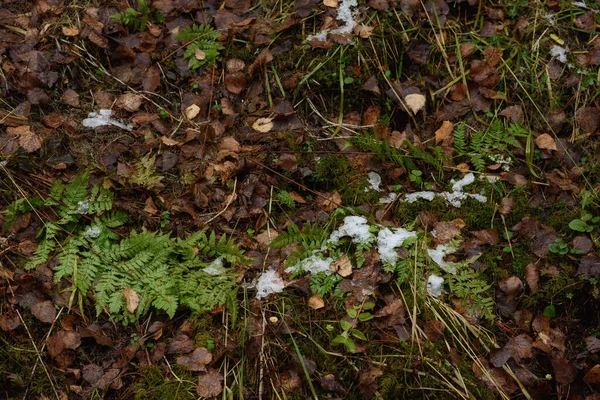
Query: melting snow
{"x":388,"y":198}
{"x":559,"y":52}
{"x":93,"y":232}
{"x":313,"y":265}
{"x":388,"y":240}
{"x":438,"y":254}
{"x":435,"y":285}
{"x":355,"y":227}
{"x":216,"y":267}
{"x":455,"y":197}
{"x":374,"y":181}
{"x":103,"y":118}
{"x":269,"y":282}
{"x":345,"y":14}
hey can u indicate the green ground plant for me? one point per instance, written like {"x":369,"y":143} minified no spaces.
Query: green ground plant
{"x":128,"y":275}
{"x":137,"y":20}
{"x":202,"y":47}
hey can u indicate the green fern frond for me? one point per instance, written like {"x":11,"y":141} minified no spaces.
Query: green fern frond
{"x":202,"y":47}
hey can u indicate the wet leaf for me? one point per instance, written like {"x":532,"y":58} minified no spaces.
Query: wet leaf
{"x":196,"y":361}
{"x":564,"y":370}
{"x":210,"y":384}
{"x":28,"y":140}
{"x":507,"y":294}
{"x":593,"y":375}
{"x":44,"y":311}
{"x":588,"y":119}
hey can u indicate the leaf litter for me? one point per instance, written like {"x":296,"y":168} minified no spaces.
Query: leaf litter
{"x":224,"y":143}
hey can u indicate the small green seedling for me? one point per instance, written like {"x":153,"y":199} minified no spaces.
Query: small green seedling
{"x":349,"y":330}
{"x":587,"y":223}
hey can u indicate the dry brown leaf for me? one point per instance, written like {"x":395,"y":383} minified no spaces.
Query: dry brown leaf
{"x":444,"y":133}
{"x":132,"y":300}
{"x":210,"y":385}
{"x":263,"y":125}
{"x":150,"y":208}
{"x":316,"y":302}
{"x":363,"y":30}
{"x":546,"y":142}
{"x":192,"y":111}
{"x":506,"y":205}
{"x":196,"y":361}
{"x":130,"y":102}
{"x":199,"y":54}
{"x":28,"y":140}
{"x":169,"y":142}
{"x":266,"y":237}
{"x":532,"y":277}
{"x":70,"y":30}
{"x":415,"y":102}
{"x":593,"y":375}
{"x":331,"y":3}
{"x":342,"y":266}
{"x":44,"y":311}
{"x":70,"y":98}
{"x":332,"y":202}
{"x":564,"y":370}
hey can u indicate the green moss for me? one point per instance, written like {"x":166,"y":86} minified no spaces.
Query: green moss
{"x":153,"y":384}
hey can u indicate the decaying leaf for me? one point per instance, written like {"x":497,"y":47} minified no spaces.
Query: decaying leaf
{"x":444,"y":133}
{"x":192,"y":111}
{"x":546,"y":142}
{"x":44,"y":311}
{"x":263,"y":125}
{"x":196,"y":361}
{"x":342,"y":266}
{"x":415,"y":102}
{"x":132,"y":300}
{"x":210,"y":384}
{"x":316,"y":302}
{"x":28,"y":140}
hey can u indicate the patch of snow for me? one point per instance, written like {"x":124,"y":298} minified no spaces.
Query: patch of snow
{"x":559,"y":52}
{"x":389,"y":198}
{"x":216,"y":267}
{"x":3,"y":163}
{"x":412,"y":197}
{"x":103,"y":118}
{"x":438,"y":254}
{"x":435,"y":285}
{"x":374,"y":181}
{"x":388,"y":240}
{"x":354,"y":226}
{"x":455,"y":197}
{"x":346,"y":14}
{"x":83,"y":207}
{"x":313,"y":265}
{"x":93,"y":232}
{"x":268,"y":283}
{"x":550,"y":18}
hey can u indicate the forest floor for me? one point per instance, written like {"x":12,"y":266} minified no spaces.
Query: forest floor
{"x":374,"y":199}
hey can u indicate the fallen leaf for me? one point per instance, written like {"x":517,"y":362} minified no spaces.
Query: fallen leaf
{"x":181,"y":344}
{"x":263,"y":125}
{"x":593,"y":375}
{"x":444,"y":133}
{"x":588,"y":119}
{"x":63,"y":340}
{"x":593,"y":344}
{"x":129,"y":101}
{"x":132,"y":300}
{"x":564,"y":370}
{"x":363,"y":30}
{"x":546,"y":142}
{"x":415,"y":102}
{"x":330,"y":3}
{"x":506,"y":205}
{"x":196,"y":361}
{"x":192,"y":111}
{"x":507,"y":293}
{"x":70,"y":98}
{"x":9,"y":321}
{"x":199,"y":54}
{"x":44,"y":311}
{"x":70,"y":30}
{"x":332,"y":202}
{"x":210,"y":384}
{"x":342,"y":266}
{"x":316,"y":302}
{"x":532,"y":277}
{"x":235,"y":82}
{"x":367,"y":382}
{"x":28,"y":140}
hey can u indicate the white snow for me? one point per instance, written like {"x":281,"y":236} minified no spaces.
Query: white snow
{"x":269,"y":282}
{"x":559,"y":52}
{"x":355,"y":227}
{"x":388,"y":198}
{"x":93,"y":232}
{"x":388,"y":240}
{"x":438,"y":254}
{"x":435,"y":285}
{"x":374,"y":182}
{"x":313,"y":265}
{"x":216,"y":267}
{"x":83,"y":207}
{"x":103,"y":118}
{"x":345,"y":14}
{"x":455,"y":197}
